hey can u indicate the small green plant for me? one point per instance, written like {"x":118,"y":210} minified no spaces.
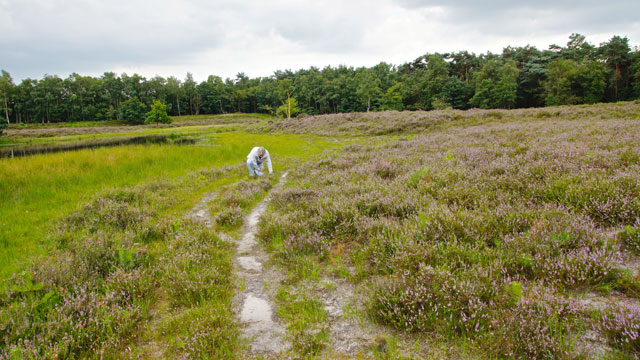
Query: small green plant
{"x":306,"y":322}
{"x":631,"y":237}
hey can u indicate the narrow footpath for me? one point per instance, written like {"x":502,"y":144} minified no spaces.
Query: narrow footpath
{"x":263,"y":332}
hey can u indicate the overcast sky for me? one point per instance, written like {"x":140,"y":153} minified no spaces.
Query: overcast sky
{"x":258,"y":37}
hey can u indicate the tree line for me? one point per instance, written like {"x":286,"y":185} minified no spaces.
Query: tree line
{"x":519,"y":77}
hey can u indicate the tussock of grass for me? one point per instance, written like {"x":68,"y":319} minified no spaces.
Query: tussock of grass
{"x":306,"y":322}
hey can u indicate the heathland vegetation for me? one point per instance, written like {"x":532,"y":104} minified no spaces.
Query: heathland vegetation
{"x":450,"y":233}
{"x":520,"y":77}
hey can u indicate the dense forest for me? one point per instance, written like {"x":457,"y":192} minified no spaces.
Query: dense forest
{"x":519,"y":77}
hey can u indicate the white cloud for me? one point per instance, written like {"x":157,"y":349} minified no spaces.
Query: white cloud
{"x":224,"y":37}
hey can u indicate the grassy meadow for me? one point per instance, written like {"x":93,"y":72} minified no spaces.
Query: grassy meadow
{"x":36,"y":191}
{"x":506,"y":234}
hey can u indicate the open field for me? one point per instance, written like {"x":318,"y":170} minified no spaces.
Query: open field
{"x":36,"y":191}
{"x":29,"y":134}
{"x":445,"y":234}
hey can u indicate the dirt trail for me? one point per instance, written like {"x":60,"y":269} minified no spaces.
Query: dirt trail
{"x":265,"y":335}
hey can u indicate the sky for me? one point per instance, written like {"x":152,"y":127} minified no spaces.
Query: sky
{"x":258,"y":37}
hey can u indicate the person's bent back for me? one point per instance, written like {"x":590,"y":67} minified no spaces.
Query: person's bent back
{"x":256,"y":159}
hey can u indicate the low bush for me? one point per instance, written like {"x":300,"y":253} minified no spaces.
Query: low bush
{"x":622,"y":325}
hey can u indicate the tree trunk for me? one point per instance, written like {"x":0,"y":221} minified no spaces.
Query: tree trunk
{"x":6,"y":109}
{"x":618,"y":76}
{"x":289,"y":108}
{"x":368,"y":103}
{"x":178,"y":103}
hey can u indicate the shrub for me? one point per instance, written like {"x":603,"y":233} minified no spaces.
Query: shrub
{"x":622,"y":325}
{"x":539,"y":326}
{"x":631,"y":237}
{"x":231,"y":216}
{"x":157,"y":114}
{"x":212,"y":334}
{"x":199,"y":268}
{"x":435,"y":300}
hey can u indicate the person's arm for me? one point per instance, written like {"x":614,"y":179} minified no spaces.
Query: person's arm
{"x":268,"y":161}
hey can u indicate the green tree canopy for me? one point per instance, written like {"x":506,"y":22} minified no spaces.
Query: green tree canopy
{"x":6,"y":86}
{"x":133,"y":111}
{"x":158,"y":114}
{"x":289,"y":108}
{"x":496,"y":85}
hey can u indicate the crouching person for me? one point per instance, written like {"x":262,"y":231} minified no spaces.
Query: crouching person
{"x":256,"y":159}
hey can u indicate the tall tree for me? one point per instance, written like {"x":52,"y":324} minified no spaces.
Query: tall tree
{"x":192,"y":94}
{"x":589,"y":82}
{"x":496,"y":85}
{"x":133,"y":111}
{"x":558,"y":86}
{"x":285,"y":88}
{"x":635,"y":73}
{"x":616,"y":54}
{"x":368,"y":87}
{"x":436,"y":77}
{"x":6,"y":86}
{"x":114,"y":88}
{"x":174,"y":91}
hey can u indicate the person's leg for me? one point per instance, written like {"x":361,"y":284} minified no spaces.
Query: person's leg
{"x":250,"y":166}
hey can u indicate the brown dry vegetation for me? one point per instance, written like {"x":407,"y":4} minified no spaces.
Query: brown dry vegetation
{"x":395,"y":122}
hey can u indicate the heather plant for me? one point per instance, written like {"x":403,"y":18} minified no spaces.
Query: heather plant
{"x":435,"y":300}
{"x":622,"y":325}
{"x":231,"y":216}
{"x":211,"y":333}
{"x":478,"y":231}
{"x":631,"y":236}
{"x":538,"y":326}
{"x":94,"y":290}
{"x":236,"y":199}
{"x":197,"y":267}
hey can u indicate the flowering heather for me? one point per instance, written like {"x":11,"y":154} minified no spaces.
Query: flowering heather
{"x":438,"y":225}
{"x":435,"y":300}
{"x":236,"y":200}
{"x":622,"y":324}
{"x":94,"y":290}
{"x":208,"y":335}
{"x":539,"y":326}
{"x":631,"y":236}
{"x":197,"y":266}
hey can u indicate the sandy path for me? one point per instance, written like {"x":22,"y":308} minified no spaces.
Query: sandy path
{"x":262,"y":330}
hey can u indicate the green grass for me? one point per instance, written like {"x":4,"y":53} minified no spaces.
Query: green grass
{"x":234,"y":116}
{"x":305,"y":317}
{"x":76,"y":124}
{"x":79,"y":124}
{"x":188,"y":130}
{"x":36,"y":191}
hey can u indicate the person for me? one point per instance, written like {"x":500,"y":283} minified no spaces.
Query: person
{"x":256,"y":159}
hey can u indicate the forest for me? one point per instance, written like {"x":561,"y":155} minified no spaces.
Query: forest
{"x":520,"y":77}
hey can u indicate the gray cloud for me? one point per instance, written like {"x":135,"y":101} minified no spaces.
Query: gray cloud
{"x":90,"y":37}
{"x":514,"y":18}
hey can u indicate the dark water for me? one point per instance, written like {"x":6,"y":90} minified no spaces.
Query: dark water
{"x":26,"y":150}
